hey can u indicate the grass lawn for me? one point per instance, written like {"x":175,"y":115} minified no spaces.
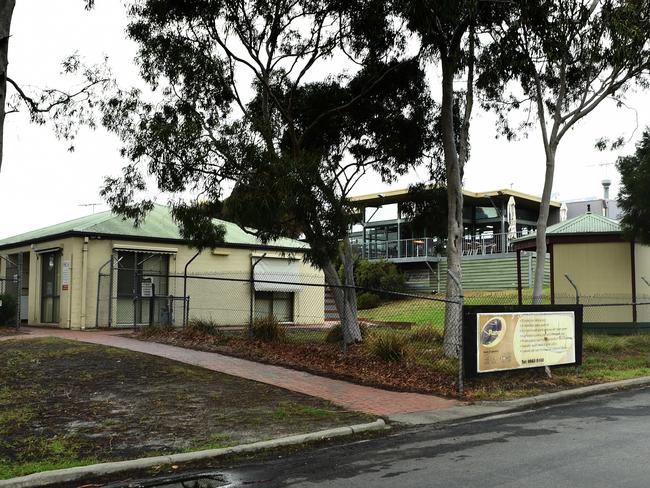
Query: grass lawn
{"x":605,"y":358}
{"x":64,"y":403}
{"x":432,"y":312}
{"x":415,"y":311}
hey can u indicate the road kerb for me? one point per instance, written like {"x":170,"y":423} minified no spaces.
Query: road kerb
{"x":81,"y":473}
{"x":478,"y":410}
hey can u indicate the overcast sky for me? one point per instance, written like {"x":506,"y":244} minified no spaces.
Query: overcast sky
{"x":41,"y":183}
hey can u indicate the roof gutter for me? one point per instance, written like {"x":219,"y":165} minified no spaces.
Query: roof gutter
{"x":95,"y":235}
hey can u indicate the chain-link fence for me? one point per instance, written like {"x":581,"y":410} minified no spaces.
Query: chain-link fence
{"x":10,"y":291}
{"x":292,"y":312}
{"x":300,"y":321}
{"x":9,"y":302}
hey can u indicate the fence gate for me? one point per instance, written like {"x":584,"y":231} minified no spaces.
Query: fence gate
{"x":128,"y":297}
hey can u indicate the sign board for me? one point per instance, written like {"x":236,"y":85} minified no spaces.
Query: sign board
{"x":65,"y":275}
{"x":519,"y":337}
{"x":146,"y":288}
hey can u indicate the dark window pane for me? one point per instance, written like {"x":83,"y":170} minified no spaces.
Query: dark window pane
{"x":50,"y":285}
{"x":277,"y":304}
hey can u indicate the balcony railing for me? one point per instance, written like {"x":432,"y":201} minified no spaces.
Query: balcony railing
{"x":432,"y":247}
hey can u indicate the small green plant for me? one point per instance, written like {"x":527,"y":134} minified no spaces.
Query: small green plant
{"x":367,"y":300}
{"x":335,"y":333}
{"x":7,"y":309}
{"x":204,"y":326}
{"x":389,"y":346}
{"x":267,"y":329}
{"x":426,"y":334}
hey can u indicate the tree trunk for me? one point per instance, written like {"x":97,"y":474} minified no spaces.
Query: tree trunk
{"x":6,"y":11}
{"x":542,"y":221}
{"x":345,"y":296}
{"x":453,"y":311}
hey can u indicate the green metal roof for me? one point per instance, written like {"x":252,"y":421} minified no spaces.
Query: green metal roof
{"x":587,"y":223}
{"x":158,"y":225}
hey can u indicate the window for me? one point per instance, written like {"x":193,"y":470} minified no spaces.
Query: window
{"x":278,"y":304}
{"x":134,"y":265}
{"x":486,"y":213}
{"x":50,"y":285}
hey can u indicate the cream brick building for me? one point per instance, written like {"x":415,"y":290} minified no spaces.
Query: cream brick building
{"x":102,"y":271}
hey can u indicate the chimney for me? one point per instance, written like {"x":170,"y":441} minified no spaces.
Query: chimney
{"x":606,"y":184}
{"x":588,"y":208}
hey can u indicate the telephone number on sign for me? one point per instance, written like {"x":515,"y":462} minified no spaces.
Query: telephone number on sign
{"x":533,"y":361}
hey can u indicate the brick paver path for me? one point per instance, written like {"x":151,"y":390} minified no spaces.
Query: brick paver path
{"x":355,"y":397}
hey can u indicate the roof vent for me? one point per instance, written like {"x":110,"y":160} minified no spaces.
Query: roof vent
{"x":606,"y":183}
{"x":588,"y":208}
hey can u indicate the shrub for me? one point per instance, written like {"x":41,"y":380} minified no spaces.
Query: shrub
{"x":204,"y":326}
{"x":367,"y":300}
{"x":380,"y":275}
{"x":335,"y":334}
{"x":267,"y":329}
{"x":7,"y":309}
{"x":389,"y":346}
{"x":426,"y":334}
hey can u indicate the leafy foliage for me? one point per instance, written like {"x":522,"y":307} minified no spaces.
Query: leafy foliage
{"x":368,"y":300}
{"x":633,"y":196}
{"x":293,"y":142}
{"x":7,"y":309}
{"x":378,"y":275}
{"x":567,"y":56}
{"x":426,"y":210}
{"x":66,"y":110}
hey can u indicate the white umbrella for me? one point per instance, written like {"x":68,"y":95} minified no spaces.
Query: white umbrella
{"x":512,"y":219}
{"x":564,"y":211}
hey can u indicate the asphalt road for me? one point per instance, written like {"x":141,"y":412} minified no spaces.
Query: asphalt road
{"x":599,"y":442}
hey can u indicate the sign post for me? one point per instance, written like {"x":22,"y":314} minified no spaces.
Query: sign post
{"x":505,"y":338}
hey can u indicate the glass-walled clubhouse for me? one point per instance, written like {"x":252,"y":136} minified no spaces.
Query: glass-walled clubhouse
{"x":489,"y":226}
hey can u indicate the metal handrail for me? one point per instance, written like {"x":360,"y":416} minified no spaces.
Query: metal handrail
{"x":480,"y":244}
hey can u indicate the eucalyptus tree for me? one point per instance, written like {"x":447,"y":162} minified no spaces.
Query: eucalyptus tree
{"x":633,"y":197}
{"x":290,"y":102}
{"x":6,"y":13}
{"x":450,"y":32}
{"x":557,"y":61}
{"x":66,"y":110}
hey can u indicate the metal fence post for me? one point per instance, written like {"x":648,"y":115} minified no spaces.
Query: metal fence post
{"x":575,"y":288}
{"x":110,"y":291}
{"x":19,"y":288}
{"x":459,"y":320}
{"x":186,"y":309}
{"x":251,"y":318}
